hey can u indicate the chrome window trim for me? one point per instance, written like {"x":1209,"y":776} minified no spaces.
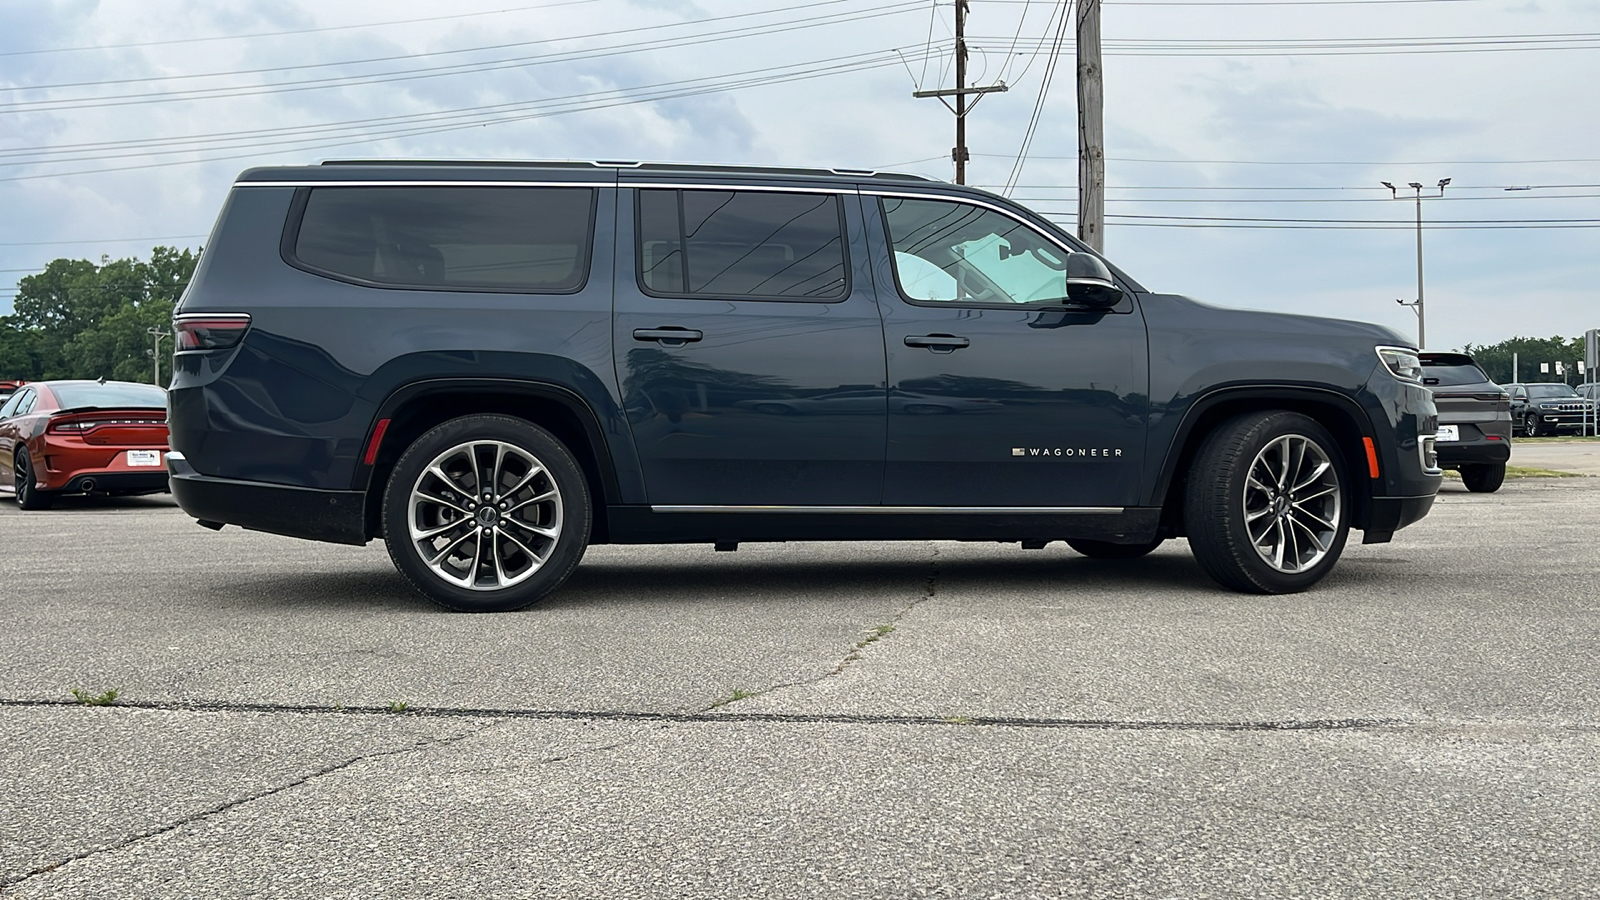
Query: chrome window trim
{"x":928,"y":510}
{"x":708,"y":186}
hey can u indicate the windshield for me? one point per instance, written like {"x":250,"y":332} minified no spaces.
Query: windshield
{"x":1546,"y":391}
{"x":110,"y":394}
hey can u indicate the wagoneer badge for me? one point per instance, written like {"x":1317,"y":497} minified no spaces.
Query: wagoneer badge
{"x":1066,"y":451}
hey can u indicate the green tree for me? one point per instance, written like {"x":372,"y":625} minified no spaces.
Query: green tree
{"x":1496,"y":359}
{"x":77,"y":319}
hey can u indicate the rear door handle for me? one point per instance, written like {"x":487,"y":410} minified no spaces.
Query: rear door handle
{"x":938,"y":343}
{"x":669,"y":336}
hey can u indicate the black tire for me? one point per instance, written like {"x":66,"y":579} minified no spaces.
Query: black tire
{"x":1108,"y":550}
{"x":1530,"y":426}
{"x":1301,"y":535}
{"x":534,"y":528}
{"x":1485,"y":478}
{"x":28,"y":494}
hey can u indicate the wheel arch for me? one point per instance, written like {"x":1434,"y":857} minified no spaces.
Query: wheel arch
{"x":414,"y":408}
{"x":1335,"y":411}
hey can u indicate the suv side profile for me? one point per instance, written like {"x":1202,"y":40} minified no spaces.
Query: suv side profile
{"x":493,"y":365}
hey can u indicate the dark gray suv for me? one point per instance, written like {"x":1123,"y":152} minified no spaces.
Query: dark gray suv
{"x":1474,"y":420}
{"x":492,"y":366}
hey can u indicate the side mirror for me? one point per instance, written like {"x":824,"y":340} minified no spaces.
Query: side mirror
{"x":1089,"y":282}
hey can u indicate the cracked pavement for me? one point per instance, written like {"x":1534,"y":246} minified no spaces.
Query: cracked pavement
{"x":915,"y":720}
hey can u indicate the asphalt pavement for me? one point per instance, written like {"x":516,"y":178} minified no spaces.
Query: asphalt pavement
{"x":1579,"y":457}
{"x":923,"y":719}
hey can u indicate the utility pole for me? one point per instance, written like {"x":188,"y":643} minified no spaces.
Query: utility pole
{"x":1091,"y":129}
{"x":1416,"y":305}
{"x":155,"y":354}
{"x":959,"y":153}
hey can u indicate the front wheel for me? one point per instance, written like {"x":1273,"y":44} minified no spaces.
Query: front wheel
{"x":28,"y":494}
{"x":1265,"y":505}
{"x":1530,"y":426}
{"x":1108,"y":550}
{"x":486,"y":513}
{"x":1483,"y":479}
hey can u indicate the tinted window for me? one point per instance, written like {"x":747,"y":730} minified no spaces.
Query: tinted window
{"x":533,"y":239}
{"x":119,"y":394}
{"x":1445,"y":376}
{"x":953,"y":253}
{"x":742,"y":244}
{"x":9,"y":408}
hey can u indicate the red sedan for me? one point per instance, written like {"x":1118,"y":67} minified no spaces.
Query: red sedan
{"x":82,"y":437}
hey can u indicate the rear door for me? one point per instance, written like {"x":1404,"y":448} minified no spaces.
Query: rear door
{"x":748,"y":345}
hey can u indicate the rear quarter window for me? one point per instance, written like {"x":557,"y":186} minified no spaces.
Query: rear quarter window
{"x":519,"y":239}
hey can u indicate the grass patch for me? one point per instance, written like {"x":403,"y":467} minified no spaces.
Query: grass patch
{"x":109,"y":698}
{"x":1556,"y":439}
{"x":735,"y":697}
{"x":1521,"y":472}
{"x":397,"y":706}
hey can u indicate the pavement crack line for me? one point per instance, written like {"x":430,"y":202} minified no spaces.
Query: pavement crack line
{"x":930,"y":588}
{"x":7,"y":884}
{"x":720,"y":716}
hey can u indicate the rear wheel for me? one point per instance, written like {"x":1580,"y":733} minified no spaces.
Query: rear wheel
{"x":1108,"y":550}
{"x":1265,"y":505}
{"x":28,"y":494}
{"x":1483,"y":479}
{"x":486,"y":513}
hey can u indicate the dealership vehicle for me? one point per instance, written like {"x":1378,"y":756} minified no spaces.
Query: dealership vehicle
{"x":82,"y":437}
{"x":492,"y":366}
{"x":1474,"y":435}
{"x":1543,"y":409}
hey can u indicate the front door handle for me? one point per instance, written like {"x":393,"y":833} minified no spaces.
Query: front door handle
{"x":668,"y":336}
{"x":938,"y":343}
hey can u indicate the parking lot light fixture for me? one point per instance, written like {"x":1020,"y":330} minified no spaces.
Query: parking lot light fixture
{"x":1417,"y":304}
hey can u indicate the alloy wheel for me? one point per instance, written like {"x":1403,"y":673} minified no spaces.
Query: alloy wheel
{"x":484,"y":515}
{"x":1292,"y":503}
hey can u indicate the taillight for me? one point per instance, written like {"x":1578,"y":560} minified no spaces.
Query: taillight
{"x":88,"y":423}
{"x":209,"y":331}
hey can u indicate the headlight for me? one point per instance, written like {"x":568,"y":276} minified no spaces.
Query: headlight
{"x":1402,"y":362}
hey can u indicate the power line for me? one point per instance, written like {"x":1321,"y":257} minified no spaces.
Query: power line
{"x":144,"y":98}
{"x":517,"y":112}
{"x":1065,"y":7}
{"x":480,"y":49}
{"x":262,"y":34}
{"x":1307,"y":162}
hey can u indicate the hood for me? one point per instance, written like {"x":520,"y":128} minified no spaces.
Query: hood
{"x":1263,"y":322}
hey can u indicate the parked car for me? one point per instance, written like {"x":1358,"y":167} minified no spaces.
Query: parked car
{"x":494,"y":365}
{"x":7,"y":388}
{"x":1542,"y":409}
{"x":82,"y":437}
{"x":1474,"y":420}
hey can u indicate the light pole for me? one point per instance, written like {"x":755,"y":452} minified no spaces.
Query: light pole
{"x":1416,"y":305}
{"x":155,"y":354}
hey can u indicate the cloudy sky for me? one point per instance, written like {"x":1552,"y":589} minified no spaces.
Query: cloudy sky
{"x":1246,"y":139}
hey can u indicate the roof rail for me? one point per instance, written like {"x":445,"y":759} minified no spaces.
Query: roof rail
{"x":630,"y":164}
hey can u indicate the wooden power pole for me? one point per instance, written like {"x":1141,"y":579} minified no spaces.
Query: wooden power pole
{"x":959,"y":153}
{"x":1091,"y":129}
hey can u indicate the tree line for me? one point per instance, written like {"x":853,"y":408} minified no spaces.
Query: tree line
{"x":1496,"y":360}
{"x":79,"y":319}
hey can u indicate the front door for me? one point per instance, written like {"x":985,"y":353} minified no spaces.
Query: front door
{"x":749,"y":347}
{"x":1000,"y":393}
